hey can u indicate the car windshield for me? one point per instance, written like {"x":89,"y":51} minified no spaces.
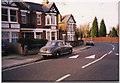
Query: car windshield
{"x":51,"y":43}
{"x":89,"y":40}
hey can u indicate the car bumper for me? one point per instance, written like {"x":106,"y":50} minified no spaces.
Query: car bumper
{"x":46,"y":54}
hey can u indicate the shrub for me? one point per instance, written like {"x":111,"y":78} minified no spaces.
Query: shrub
{"x":32,"y":43}
{"x":76,"y":43}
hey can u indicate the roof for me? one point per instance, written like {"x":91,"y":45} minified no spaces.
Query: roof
{"x":47,"y":7}
{"x":35,"y":6}
{"x":22,"y":5}
{"x":65,"y":18}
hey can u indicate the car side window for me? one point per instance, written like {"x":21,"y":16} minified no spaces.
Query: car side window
{"x":60,"y":44}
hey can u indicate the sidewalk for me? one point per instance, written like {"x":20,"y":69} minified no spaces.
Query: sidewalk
{"x":16,"y":60}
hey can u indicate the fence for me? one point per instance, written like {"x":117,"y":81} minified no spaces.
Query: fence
{"x":102,"y":39}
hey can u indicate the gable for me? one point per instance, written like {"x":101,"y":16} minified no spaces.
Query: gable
{"x":52,"y":9}
{"x":8,"y":3}
{"x":71,"y":20}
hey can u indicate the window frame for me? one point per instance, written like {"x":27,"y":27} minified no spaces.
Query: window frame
{"x":5,"y":15}
{"x":23,"y":15}
{"x":9,"y":19}
{"x":39,"y":17}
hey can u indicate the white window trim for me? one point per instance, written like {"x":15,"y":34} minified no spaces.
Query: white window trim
{"x":24,"y":11}
{"x":38,"y":12}
{"x":9,"y":20}
{"x":48,"y":16}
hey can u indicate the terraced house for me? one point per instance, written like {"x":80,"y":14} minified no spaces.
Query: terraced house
{"x":29,"y":20}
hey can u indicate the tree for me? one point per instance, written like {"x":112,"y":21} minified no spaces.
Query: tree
{"x":102,"y":30}
{"x":85,"y":30}
{"x":117,"y":29}
{"x":109,"y":35}
{"x":94,"y":28}
{"x":113,"y":33}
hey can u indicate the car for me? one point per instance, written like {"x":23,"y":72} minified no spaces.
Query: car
{"x":5,"y":48}
{"x":90,"y":42}
{"x":55,"y":48}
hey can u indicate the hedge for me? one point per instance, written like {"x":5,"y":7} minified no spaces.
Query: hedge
{"x":32,"y":43}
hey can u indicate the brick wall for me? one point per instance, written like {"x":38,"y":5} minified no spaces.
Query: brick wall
{"x":102,"y":39}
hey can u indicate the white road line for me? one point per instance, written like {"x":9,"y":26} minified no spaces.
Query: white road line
{"x":116,"y":53}
{"x":74,"y":56}
{"x":24,"y":65}
{"x":62,"y":78}
{"x":92,"y":56}
{"x":94,"y":61}
{"x":110,"y":52}
{"x":99,"y":58}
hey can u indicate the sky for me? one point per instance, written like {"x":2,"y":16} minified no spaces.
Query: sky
{"x":84,"y":11}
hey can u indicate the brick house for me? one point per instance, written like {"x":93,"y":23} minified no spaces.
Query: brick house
{"x":29,"y":20}
{"x":67,"y":25}
{"x":10,"y":20}
{"x":43,"y":21}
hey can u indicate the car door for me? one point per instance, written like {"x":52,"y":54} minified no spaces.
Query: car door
{"x":66,"y":48}
{"x":61,"y":47}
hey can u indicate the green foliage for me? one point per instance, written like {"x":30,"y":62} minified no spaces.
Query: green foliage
{"x":113,"y":33}
{"x":102,"y":30}
{"x":28,"y":41}
{"x":32,"y":43}
{"x":94,"y":28}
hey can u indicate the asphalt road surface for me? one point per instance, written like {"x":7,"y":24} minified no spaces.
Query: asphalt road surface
{"x":98,"y":63}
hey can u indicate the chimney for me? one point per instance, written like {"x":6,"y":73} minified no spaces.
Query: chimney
{"x":45,"y":2}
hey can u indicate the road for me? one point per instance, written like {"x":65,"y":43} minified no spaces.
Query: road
{"x":98,"y":63}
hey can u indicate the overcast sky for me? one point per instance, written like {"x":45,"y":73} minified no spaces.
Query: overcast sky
{"x":84,"y":11}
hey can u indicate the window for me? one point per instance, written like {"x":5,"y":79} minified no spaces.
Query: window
{"x":48,"y":35}
{"x":13,"y":16}
{"x":53,"y":35}
{"x":48,"y":20}
{"x":14,"y":36}
{"x":23,"y":17}
{"x":52,"y":19}
{"x":38,"y":19}
{"x":5,"y":36}
{"x":38,"y":35}
{"x":4,"y":14}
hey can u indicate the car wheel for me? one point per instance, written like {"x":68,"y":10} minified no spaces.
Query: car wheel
{"x":57,"y":54}
{"x":71,"y":51}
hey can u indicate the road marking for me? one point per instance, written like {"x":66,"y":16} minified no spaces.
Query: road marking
{"x":110,"y":52}
{"x":74,"y":56}
{"x":24,"y":65}
{"x":62,"y":78}
{"x":92,"y":56}
{"x":99,"y":58}
{"x":94,"y":61}
{"x":116,"y":53}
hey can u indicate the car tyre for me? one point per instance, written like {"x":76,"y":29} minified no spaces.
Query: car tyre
{"x":57,"y":54}
{"x":71,"y":51}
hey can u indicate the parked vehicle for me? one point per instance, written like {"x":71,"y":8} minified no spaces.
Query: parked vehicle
{"x":90,"y":42}
{"x":5,"y":48}
{"x":55,"y":48}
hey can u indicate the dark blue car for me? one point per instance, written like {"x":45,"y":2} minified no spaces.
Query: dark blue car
{"x":5,"y":48}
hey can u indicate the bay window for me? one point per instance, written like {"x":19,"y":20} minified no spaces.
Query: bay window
{"x":51,"y":19}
